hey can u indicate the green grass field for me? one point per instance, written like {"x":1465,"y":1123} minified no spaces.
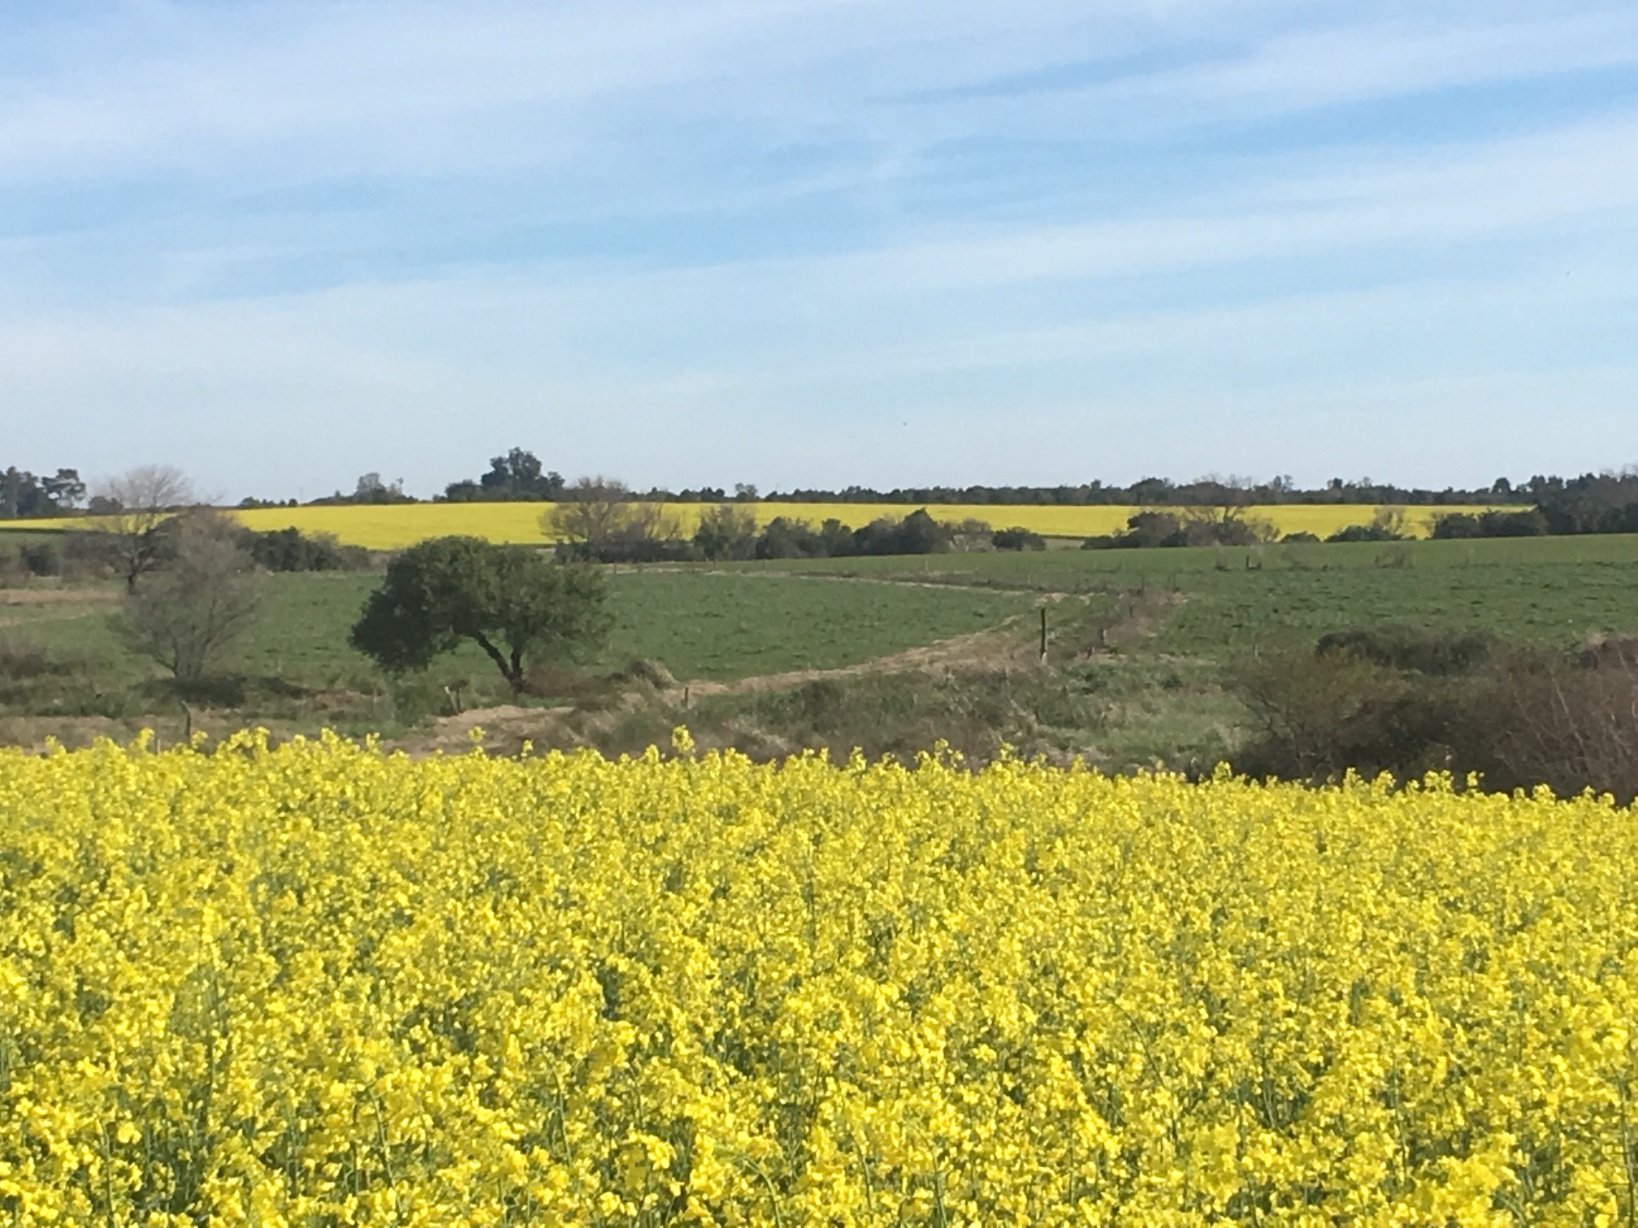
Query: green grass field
{"x":1541,"y":590}
{"x":698,"y":625}
{"x":716,"y":627}
{"x":1138,"y":648}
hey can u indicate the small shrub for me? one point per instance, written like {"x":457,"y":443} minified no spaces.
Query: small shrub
{"x":786,"y":538}
{"x":1018,"y":538}
{"x":1568,"y":724}
{"x":40,"y":559}
{"x":1363,"y":533}
{"x":1396,"y":646}
{"x":1604,"y":651}
{"x":84,"y":555}
{"x":1392,"y":700}
{"x":648,"y":672}
{"x":37,"y":680}
{"x":1319,"y":714}
{"x":973,"y":534}
{"x":22,"y":658}
{"x":292,"y":550}
{"x":1387,"y":525}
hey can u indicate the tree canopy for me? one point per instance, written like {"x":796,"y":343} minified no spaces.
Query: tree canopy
{"x":517,"y":476}
{"x":514,"y":604}
{"x":27,"y":494}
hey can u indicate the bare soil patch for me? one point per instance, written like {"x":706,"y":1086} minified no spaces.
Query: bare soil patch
{"x":23,"y":606}
{"x":55,"y":596}
{"x":506,"y":727}
{"x":992,"y":647}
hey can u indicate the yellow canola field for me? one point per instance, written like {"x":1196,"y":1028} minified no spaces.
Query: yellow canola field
{"x":391,"y":527}
{"x":319,"y":985}
{"x":394,"y":526}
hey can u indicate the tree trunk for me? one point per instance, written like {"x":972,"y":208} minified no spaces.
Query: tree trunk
{"x":511,"y":670}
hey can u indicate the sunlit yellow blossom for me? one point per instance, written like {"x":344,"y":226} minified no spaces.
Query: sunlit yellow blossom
{"x":320,"y":985}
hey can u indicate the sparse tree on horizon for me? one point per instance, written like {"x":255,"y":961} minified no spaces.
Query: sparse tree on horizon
{"x":726,"y":532}
{"x":597,"y":514}
{"x":131,"y":509}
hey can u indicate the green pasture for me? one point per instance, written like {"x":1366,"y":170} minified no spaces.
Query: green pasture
{"x":1138,"y":647}
{"x":1553,"y":590}
{"x":717,"y":627}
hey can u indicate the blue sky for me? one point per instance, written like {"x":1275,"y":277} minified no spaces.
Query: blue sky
{"x":818,"y":242}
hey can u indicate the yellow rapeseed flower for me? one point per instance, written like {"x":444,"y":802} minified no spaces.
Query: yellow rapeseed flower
{"x":322,"y":985}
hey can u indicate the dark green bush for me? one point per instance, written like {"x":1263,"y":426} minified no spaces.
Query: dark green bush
{"x":1521,"y":522}
{"x":1017,"y":539}
{"x":292,"y":550}
{"x":40,"y":558}
{"x":1195,"y":527}
{"x":917,"y":533}
{"x":785,"y":538}
{"x":1366,"y":533}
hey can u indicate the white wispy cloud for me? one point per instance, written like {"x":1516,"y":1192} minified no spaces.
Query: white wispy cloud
{"x":828,"y":229}
{"x":369,"y":85}
{"x":1306,"y":69}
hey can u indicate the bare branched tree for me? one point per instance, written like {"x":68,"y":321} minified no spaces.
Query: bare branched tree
{"x":203,"y":599}
{"x":132,"y":507}
{"x":601,"y":516}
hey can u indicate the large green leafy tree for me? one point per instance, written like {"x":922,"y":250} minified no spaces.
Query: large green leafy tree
{"x":25,"y":494}
{"x":509,"y":600}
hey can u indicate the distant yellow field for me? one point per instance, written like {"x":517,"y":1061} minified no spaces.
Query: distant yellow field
{"x":394,"y":526}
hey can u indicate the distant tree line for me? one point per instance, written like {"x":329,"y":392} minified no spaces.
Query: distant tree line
{"x":1154,"y":491}
{"x":520,"y":476}
{"x":917,"y":533}
{"x":1590,"y":503}
{"x":596,"y":523}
